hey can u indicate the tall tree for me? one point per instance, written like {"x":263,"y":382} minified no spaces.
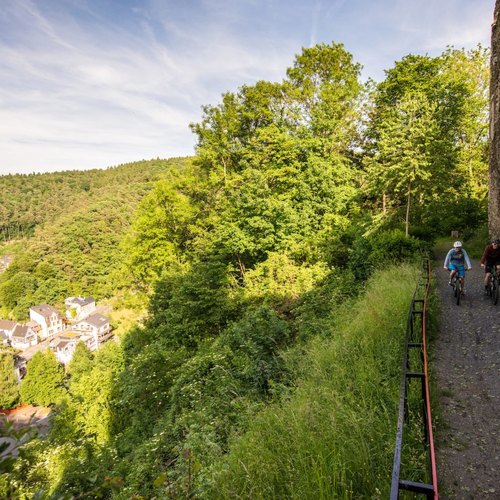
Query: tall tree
{"x":80,"y":363}
{"x":44,"y":381}
{"x":9,"y":387}
{"x":494,"y":171}
{"x":403,"y":164}
{"x":281,"y":157}
{"x":451,"y":147}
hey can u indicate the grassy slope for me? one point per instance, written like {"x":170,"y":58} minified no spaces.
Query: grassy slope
{"x":334,"y":437}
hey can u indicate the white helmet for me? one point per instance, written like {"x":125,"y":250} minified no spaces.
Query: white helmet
{"x":457,"y":244}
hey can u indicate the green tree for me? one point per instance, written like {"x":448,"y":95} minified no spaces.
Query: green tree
{"x":44,"y":381}
{"x":403,"y":164}
{"x":159,"y":232}
{"x":326,"y":88}
{"x":289,"y":171}
{"x":80,"y":363}
{"x":9,"y":387}
{"x":428,"y":124}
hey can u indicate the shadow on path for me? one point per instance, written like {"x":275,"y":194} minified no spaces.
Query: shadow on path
{"x":466,"y":364}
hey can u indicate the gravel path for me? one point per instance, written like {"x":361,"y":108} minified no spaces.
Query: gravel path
{"x":466,"y":366}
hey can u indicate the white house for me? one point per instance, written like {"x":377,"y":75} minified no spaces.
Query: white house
{"x":23,"y":337}
{"x":4,"y":338}
{"x":64,"y":348}
{"x":48,"y":318}
{"x":78,"y":308}
{"x":6,"y":329}
{"x":96,"y":325}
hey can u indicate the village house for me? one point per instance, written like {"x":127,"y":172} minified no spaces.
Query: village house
{"x":34,"y":326}
{"x":95,"y":325}
{"x":23,"y":337}
{"x":78,"y":308}
{"x":45,"y":322}
{"x":64,"y":345}
{"x":4,"y":338}
{"x":6,"y":329}
{"x":48,"y":318}
{"x":64,"y":348}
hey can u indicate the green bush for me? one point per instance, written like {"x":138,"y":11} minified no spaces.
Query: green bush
{"x":383,"y":248}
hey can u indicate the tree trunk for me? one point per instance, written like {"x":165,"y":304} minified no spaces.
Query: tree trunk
{"x":494,"y":172}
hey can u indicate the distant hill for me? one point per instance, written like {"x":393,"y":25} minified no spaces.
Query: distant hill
{"x":29,"y":200}
{"x":71,"y":225}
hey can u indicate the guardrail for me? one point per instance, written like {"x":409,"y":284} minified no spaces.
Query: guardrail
{"x":415,"y":369}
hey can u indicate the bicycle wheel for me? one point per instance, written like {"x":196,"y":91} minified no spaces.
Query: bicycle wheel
{"x":494,"y":296}
{"x":458,"y":290}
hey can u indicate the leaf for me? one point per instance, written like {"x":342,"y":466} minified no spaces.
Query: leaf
{"x":160,"y":480}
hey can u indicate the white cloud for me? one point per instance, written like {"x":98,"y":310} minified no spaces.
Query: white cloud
{"x":83,"y":87}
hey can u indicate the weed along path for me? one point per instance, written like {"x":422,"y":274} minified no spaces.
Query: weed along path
{"x":466,"y":369}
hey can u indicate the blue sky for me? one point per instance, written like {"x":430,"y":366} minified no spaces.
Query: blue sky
{"x":96,"y":83}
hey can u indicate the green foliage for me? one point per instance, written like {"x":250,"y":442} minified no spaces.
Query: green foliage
{"x":80,"y":363}
{"x":325,"y":84}
{"x":29,"y":201}
{"x":44,"y":381}
{"x":162,"y":225}
{"x":142,"y":391}
{"x":333,"y":437}
{"x":12,"y":441}
{"x":256,"y":343}
{"x":278,"y":162}
{"x":79,"y":246}
{"x":193,"y":305}
{"x":279,"y":281}
{"x":252,"y":255}
{"x":9,"y":387}
{"x":382,"y":248}
{"x":90,"y":393}
{"x":316,"y":308}
{"x":427,"y":138}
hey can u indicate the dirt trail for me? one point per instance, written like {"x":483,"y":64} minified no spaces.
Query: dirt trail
{"x":466,"y":365}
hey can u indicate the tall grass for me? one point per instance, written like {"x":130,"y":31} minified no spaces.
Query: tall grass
{"x":333,"y":437}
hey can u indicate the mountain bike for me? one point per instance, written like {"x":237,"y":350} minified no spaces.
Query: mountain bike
{"x":458,"y":287}
{"x":457,"y":283}
{"x":493,"y":285}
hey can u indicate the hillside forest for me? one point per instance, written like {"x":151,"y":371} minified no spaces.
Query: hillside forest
{"x":263,"y":284}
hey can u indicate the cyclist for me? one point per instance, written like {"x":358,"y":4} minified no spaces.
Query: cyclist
{"x":490,"y":258}
{"x":455,"y":261}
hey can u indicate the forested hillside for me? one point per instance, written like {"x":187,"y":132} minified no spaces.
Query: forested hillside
{"x":256,"y":257}
{"x":69,"y":232}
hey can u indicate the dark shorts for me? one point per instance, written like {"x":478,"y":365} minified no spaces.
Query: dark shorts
{"x":490,"y":264}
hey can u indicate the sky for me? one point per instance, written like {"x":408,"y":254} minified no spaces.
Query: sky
{"x":97,"y":83}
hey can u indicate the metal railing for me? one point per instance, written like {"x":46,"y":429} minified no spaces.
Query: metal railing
{"x":415,"y":369}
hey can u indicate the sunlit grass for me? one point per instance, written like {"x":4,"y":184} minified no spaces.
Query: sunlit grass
{"x":334,"y":436}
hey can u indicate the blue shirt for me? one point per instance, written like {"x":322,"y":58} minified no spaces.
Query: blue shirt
{"x":459,"y":258}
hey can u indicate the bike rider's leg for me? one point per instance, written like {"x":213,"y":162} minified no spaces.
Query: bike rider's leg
{"x":487,"y":276}
{"x":452,"y":275}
